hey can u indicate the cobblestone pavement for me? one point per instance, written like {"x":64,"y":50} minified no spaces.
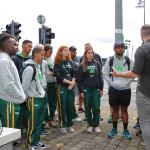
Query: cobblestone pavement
{"x":82,"y":140}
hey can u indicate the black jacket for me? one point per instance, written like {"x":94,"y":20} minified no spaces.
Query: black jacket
{"x":64,"y":70}
{"x":92,"y":78}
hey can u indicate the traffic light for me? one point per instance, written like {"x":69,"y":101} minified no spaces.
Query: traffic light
{"x":9,"y":28}
{"x":17,"y":31}
{"x":45,"y":35}
{"x":13,"y":29}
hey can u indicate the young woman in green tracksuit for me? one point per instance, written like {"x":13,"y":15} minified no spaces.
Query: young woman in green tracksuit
{"x":91,"y":88}
{"x":64,"y":70}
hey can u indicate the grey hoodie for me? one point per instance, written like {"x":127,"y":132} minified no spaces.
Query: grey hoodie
{"x":118,"y":83}
{"x":10,"y":86}
{"x":32,"y":88}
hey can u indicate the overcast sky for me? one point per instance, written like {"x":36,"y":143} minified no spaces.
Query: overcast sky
{"x":76,"y":22}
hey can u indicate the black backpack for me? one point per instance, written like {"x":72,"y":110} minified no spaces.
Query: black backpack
{"x":23,"y":68}
{"x":111,"y":63}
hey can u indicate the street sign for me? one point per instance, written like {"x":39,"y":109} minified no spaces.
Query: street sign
{"x":41,"y":19}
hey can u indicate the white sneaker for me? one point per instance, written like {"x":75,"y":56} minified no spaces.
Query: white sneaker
{"x":63,"y":130}
{"x":77,"y":120}
{"x":90,"y":129}
{"x":39,"y":146}
{"x":71,"y":129}
{"x":97,"y":130}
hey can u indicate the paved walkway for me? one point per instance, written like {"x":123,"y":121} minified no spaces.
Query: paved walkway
{"x":82,"y":140}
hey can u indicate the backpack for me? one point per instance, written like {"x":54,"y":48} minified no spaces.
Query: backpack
{"x":18,"y":61}
{"x":23,"y":68}
{"x":111,"y":63}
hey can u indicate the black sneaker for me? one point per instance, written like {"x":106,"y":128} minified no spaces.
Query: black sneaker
{"x":139,"y":132}
{"x":44,"y":132}
{"x":39,"y":146}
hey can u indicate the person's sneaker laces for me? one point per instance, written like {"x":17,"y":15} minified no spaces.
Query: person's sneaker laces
{"x":63,"y":130}
{"x":109,"y":119}
{"x":90,"y":129}
{"x":97,"y":130}
{"x":71,"y":129}
{"x":77,"y":120}
{"x":39,"y":146}
{"x":112,"y":133}
{"x":44,"y":132}
{"x":127,"y":134}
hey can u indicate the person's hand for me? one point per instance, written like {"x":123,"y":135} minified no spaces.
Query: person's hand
{"x":72,"y":83}
{"x":82,"y":95}
{"x":101,"y":93}
{"x":70,"y":87}
{"x":114,"y":72}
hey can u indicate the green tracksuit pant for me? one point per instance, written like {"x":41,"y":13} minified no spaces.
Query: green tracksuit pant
{"x":75,"y":91}
{"x":52,"y":98}
{"x":22,"y":121}
{"x":92,"y":106}
{"x":9,"y":113}
{"x":65,"y":106}
{"x":45,"y":107}
{"x":35,"y":108}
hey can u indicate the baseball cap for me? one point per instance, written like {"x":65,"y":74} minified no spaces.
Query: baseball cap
{"x":72,"y":48}
{"x":118,"y":43}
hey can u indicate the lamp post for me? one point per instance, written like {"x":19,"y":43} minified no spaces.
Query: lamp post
{"x":141,"y":4}
{"x":118,"y":21}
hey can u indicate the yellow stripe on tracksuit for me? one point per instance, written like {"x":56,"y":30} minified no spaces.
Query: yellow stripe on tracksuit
{"x":59,"y":106}
{"x":28,"y":107}
{"x":13,"y":116}
{"x":10,"y":115}
{"x":7,"y":114}
{"x":30,"y":124}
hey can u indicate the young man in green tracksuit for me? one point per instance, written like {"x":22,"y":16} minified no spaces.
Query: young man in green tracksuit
{"x":11,"y":92}
{"x":51,"y":86}
{"x":73,"y":53}
{"x":32,"y":86}
{"x":64,"y":70}
{"x":19,"y":59}
{"x":91,"y":88}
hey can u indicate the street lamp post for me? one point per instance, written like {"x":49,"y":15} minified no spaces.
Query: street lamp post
{"x":141,"y":4}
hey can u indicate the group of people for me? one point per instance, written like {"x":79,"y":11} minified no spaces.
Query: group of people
{"x":33,"y":86}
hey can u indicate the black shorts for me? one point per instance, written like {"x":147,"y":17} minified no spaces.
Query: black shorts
{"x":122,"y":98}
